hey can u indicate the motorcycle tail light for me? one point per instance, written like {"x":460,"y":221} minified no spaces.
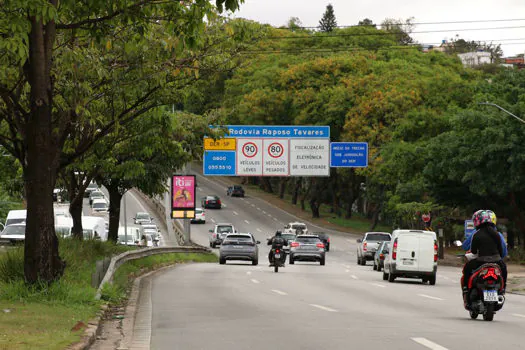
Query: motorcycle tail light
{"x":277,"y":250}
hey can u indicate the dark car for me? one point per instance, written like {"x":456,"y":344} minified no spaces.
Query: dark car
{"x":211,"y":202}
{"x":239,"y":246}
{"x":325,"y":238}
{"x":235,"y":191}
{"x":379,"y":257}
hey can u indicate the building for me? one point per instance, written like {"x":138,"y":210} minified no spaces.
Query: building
{"x":474,"y":59}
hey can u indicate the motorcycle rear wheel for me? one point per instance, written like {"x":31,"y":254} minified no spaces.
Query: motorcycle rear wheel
{"x":489,"y":314}
{"x":276,"y":268}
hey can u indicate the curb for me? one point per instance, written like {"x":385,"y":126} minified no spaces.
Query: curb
{"x":91,"y":332}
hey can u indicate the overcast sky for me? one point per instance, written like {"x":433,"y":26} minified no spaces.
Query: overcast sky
{"x":347,"y":12}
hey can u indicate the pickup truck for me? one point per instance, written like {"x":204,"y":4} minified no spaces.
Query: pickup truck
{"x":367,"y":246}
{"x":296,"y":228}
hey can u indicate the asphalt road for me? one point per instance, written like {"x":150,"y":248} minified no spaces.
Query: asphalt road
{"x":307,"y":306}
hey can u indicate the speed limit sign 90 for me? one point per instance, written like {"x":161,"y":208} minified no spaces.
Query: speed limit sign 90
{"x":275,"y":150}
{"x":249,"y":150}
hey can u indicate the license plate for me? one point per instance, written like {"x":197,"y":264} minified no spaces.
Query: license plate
{"x":408,"y":262}
{"x":490,"y":295}
{"x":277,"y":256}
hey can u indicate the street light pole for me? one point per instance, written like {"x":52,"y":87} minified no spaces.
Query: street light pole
{"x":503,"y":109}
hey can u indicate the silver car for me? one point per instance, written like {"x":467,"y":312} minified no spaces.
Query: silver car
{"x":307,"y":248}
{"x":290,"y":237}
{"x":239,"y":246}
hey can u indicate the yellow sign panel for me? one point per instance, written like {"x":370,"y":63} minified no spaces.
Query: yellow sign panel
{"x":183,"y":214}
{"x":219,"y":145}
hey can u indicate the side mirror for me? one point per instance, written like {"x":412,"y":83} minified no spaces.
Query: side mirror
{"x":359,"y":240}
{"x":210,"y":230}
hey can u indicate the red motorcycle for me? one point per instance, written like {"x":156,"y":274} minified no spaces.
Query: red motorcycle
{"x":485,"y":290}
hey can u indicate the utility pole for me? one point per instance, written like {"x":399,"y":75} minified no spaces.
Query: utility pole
{"x":503,"y":109}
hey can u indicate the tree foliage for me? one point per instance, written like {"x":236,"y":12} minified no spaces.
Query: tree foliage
{"x":328,"y":21}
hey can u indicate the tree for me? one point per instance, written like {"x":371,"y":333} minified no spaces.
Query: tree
{"x":34,"y":126}
{"x":328,"y":21}
{"x":367,"y":22}
{"x":399,"y":29}
{"x":294,"y":23}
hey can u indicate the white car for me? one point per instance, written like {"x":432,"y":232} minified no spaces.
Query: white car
{"x":99,"y":206}
{"x":296,"y":228}
{"x":142,"y":218}
{"x":200,"y":216}
{"x":14,"y":233}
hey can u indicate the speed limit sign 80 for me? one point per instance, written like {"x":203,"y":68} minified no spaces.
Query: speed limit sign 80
{"x":275,"y":149}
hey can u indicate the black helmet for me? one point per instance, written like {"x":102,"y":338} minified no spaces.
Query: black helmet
{"x":278,"y":233}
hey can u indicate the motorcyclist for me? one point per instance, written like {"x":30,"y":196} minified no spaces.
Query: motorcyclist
{"x":486,"y":245}
{"x":277,"y":242}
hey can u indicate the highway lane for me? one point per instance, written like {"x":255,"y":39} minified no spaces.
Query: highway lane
{"x":308,"y":306}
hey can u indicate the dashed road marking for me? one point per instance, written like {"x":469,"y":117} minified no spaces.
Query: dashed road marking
{"x":235,"y":213}
{"x":279,"y":292}
{"x":213,"y":220}
{"x":346,"y":266}
{"x":258,"y":208}
{"x":246,"y":221}
{"x":428,"y":344}
{"x":347,"y":270}
{"x":354,"y":277}
{"x":329,"y":309}
{"x":518,"y":315}
{"x":242,"y":199}
{"x":264,"y":212}
{"x":258,"y":229}
{"x":429,"y":297}
{"x":378,"y":285}
{"x":253,"y":205}
{"x":255,"y":281}
{"x":248,"y":273}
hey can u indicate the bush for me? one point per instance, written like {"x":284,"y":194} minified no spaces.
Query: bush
{"x":12,"y":265}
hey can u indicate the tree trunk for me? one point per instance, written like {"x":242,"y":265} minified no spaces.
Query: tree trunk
{"x":296,"y":189}
{"x":41,"y":259}
{"x":115,"y":197}
{"x":375,"y":216}
{"x":75,"y":209}
{"x":282,"y":187}
{"x":314,"y":207}
{"x":266,"y":185}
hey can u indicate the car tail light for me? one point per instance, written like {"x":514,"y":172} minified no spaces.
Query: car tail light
{"x":394,"y":250}
{"x":435,"y":251}
{"x":319,"y":245}
{"x":295,"y":244}
{"x":364,"y":246}
{"x":328,"y":240}
{"x":207,"y":201}
{"x":219,"y":201}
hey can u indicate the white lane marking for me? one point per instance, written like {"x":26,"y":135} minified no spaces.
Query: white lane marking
{"x":253,"y":205}
{"x":346,"y":266}
{"x":242,"y":199}
{"x":428,"y":344}
{"x":270,"y":215}
{"x":259,"y":230}
{"x":347,"y":270}
{"x":275,"y":219}
{"x":247,"y":202}
{"x":279,"y":292}
{"x":518,"y":315}
{"x":248,"y":273}
{"x":213,"y":220}
{"x":264,"y":212}
{"x":224,"y":205}
{"x":199,"y":189}
{"x":255,"y":281}
{"x":429,"y":297}
{"x":445,"y":277}
{"x":355,"y":277}
{"x":378,"y":285}
{"x":246,"y":221}
{"x":349,"y":240}
{"x":323,"y":308}
{"x":235,"y":213}
{"x":258,"y":208}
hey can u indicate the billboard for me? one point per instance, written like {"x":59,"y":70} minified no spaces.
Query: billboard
{"x":183,"y":196}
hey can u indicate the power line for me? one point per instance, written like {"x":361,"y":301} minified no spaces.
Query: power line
{"x":389,"y":33}
{"x":417,"y":23}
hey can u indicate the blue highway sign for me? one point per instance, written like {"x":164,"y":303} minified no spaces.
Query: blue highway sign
{"x":348,"y":154}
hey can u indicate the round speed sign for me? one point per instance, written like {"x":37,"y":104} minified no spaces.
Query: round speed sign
{"x":249,"y":149}
{"x":275,"y":150}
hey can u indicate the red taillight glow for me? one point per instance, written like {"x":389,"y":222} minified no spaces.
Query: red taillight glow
{"x":319,"y":245}
{"x":435,"y":252}
{"x":381,"y":257}
{"x":328,"y":240}
{"x":219,"y":201}
{"x":295,"y":244}
{"x":364,"y":246}
{"x":207,"y":202}
{"x":277,"y":250}
{"x":394,"y":250}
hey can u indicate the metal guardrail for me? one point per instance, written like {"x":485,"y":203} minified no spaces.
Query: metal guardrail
{"x":118,"y":260}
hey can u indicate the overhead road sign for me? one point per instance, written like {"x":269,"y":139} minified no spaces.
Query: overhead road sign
{"x":225,"y":144}
{"x":219,"y":163}
{"x":349,"y":154}
{"x":281,"y":131}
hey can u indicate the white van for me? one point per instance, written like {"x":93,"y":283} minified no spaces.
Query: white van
{"x":94,"y":227}
{"x":133,"y":236}
{"x":16,"y":217}
{"x":413,"y":254}
{"x":63,"y":226}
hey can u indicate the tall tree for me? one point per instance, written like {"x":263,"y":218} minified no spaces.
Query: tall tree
{"x":328,"y":21}
{"x":34,"y":125}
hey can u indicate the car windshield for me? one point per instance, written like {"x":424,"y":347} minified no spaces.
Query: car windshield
{"x":299,"y":227}
{"x":237,"y":187}
{"x":224,"y":229}
{"x":100,"y":205}
{"x":212,"y":198}
{"x":239,"y":240}
{"x":289,"y":237}
{"x":97,"y":194}
{"x":198,"y":211}
{"x":14,"y":230}
{"x":92,"y":185}
{"x":378,"y":237}
{"x":14,"y":221}
{"x":142,"y":216}
{"x":307,"y":240}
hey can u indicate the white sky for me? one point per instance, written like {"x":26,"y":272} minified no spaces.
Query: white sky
{"x":347,"y":12}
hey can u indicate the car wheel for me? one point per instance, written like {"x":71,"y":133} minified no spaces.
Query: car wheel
{"x":363,"y":261}
{"x":378,"y":268}
{"x":358,"y":260}
{"x":255,"y":262}
{"x":222,"y":261}
{"x":375,"y":267}
{"x":291,"y":261}
{"x":425,"y":280}
{"x":385,"y":276}
{"x":328,"y":248}
{"x":322,"y":261}
{"x":432,"y":280}
{"x":213,"y":245}
{"x":391,"y":277}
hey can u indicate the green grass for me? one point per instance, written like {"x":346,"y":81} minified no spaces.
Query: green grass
{"x":43,"y":317}
{"x":356,"y":224}
{"x":126,"y":273}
